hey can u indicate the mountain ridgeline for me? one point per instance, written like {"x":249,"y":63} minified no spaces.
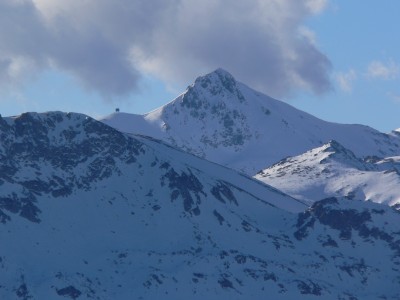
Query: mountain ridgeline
{"x":152,"y":207}
{"x":225,"y":121}
{"x":334,"y":171}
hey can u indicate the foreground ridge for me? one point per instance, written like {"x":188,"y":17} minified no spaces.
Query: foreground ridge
{"x":87,"y":212}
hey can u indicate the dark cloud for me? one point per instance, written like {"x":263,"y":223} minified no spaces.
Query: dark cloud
{"x":108,"y":44}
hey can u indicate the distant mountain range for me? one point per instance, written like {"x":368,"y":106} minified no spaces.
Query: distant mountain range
{"x":91,"y":212}
{"x":332,"y":170}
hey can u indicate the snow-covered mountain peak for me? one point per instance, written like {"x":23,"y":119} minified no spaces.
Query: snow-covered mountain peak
{"x":87,"y":212}
{"x":54,"y":115}
{"x":334,"y":146}
{"x":219,"y":83}
{"x":50,"y":129}
{"x":338,"y":153}
{"x":217,"y":77}
{"x":56,"y":154}
{"x":330,"y":153}
{"x":212,"y":111}
{"x":48,"y":120}
{"x":333,"y":170}
{"x":209,"y":94}
{"x":227,"y":122}
{"x":116,"y":216}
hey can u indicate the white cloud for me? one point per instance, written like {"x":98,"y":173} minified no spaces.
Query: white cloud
{"x":107,"y":45}
{"x":308,"y":34}
{"x":345,"y":80}
{"x":317,"y":6}
{"x":381,"y":70}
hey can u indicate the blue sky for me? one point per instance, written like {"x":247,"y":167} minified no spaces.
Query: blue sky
{"x":97,"y":56}
{"x":358,"y":36}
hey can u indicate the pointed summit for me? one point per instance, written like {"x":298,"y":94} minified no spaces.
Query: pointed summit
{"x":219,"y":83}
{"x":222,"y":72}
{"x":334,"y":146}
{"x":341,"y":154}
{"x":220,"y":76}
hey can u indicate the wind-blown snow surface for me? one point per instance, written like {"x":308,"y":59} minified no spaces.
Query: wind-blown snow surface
{"x":227,"y":122}
{"x":332,"y":170}
{"x":89,"y":213}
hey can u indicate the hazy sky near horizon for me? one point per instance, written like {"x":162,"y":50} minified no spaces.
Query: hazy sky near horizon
{"x":338,"y":60}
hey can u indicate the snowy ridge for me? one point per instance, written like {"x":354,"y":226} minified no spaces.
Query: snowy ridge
{"x":332,"y":170}
{"x":226,"y":122}
{"x":87,"y":212}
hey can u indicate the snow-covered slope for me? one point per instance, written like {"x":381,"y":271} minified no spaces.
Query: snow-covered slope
{"x":332,"y":170}
{"x":227,"y":122}
{"x":87,"y":212}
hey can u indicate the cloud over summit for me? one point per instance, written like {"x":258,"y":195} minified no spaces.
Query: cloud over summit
{"x":107,"y":45}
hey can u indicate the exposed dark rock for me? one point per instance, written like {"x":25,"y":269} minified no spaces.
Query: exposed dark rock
{"x":188,"y":187}
{"x":246,"y":226}
{"x":309,"y":288}
{"x":24,"y":206}
{"x":4,"y":218}
{"x":225,"y":283}
{"x":358,"y":267}
{"x":69,"y":292}
{"x":222,"y":192}
{"x":329,"y":242}
{"x":343,"y":220}
{"x":219,"y":217}
{"x":304,"y":222}
{"x":22,"y":292}
{"x":240,"y":259}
